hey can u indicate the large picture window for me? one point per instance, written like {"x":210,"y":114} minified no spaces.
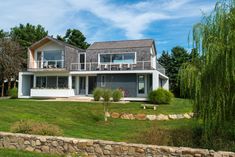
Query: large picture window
{"x":51,"y":82}
{"x":119,"y":58}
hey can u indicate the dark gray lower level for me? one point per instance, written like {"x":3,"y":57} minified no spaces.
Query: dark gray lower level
{"x":126,"y":82}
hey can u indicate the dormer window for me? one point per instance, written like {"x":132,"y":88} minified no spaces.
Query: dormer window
{"x":117,"y":58}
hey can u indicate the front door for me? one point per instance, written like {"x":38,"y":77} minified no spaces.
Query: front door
{"x":82,"y":85}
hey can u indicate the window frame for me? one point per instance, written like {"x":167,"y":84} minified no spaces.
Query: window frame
{"x":46,"y":85}
{"x":118,"y":53}
{"x":102,"y":81}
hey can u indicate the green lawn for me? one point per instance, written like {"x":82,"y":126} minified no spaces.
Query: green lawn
{"x":18,"y":153}
{"x":175,"y":107}
{"x":85,"y":120}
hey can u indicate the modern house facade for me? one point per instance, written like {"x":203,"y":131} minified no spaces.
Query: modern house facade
{"x":57,"y":69}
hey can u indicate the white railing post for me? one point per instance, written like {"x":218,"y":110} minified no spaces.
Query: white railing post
{"x":143,"y":65}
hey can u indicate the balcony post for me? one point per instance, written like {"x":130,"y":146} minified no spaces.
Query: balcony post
{"x":70,"y":82}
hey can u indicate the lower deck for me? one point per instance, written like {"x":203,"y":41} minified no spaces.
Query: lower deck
{"x":133,"y":85}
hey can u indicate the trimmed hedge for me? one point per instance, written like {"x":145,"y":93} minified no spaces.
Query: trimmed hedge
{"x":160,"y":96}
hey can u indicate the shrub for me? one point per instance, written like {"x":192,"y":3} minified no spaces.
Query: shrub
{"x":160,"y":96}
{"x":13,"y":93}
{"x":38,"y":128}
{"x":106,"y":94}
{"x":97,"y":93}
{"x":117,"y":95}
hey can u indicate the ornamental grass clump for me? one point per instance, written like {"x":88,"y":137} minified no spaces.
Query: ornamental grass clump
{"x":117,"y":95}
{"x":97,"y":93}
{"x":37,"y":128}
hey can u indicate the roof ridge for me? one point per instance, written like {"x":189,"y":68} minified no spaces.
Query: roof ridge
{"x":123,"y":40}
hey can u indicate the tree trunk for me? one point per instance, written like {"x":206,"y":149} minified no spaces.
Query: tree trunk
{"x":15,"y":84}
{"x":9,"y":84}
{"x":2,"y":94}
{"x":105,"y":115}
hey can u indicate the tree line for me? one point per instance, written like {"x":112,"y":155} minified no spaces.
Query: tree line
{"x":172,"y":63}
{"x":14,"y":45}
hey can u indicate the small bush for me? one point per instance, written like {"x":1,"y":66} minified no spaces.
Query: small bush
{"x":117,"y":95}
{"x":13,"y":93}
{"x":37,"y":128}
{"x":106,"y":94}
{"x":97,"y":93}
{"x":160,"y":96}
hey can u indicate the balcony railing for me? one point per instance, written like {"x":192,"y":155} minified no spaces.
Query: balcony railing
{"x":95,"y":66}
{"x":47,"y":64}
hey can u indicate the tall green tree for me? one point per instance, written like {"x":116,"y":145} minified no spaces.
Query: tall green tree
{"x":2,"y":33}
{"x":212,"y":82}
{"x":165,"y":61}
{"x":172,"y":63}
{"x":27,"y":34}
{"x":74,"y":37}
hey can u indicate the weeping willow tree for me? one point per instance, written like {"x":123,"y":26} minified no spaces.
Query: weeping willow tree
{"x":211,"y":81}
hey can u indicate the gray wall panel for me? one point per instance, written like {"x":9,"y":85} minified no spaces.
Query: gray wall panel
{"x":127,"y":82}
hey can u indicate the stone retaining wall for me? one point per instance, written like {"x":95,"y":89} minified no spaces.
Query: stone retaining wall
{"x":142,"y":116}
{"x":98,"y":148}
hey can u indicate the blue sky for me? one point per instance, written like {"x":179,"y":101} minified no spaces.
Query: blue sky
{"x":168,"y":22}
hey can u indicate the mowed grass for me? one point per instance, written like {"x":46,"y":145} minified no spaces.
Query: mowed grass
{"x":85,"y":120}
{"x":176,"y":106}
{"x":20,"y":153}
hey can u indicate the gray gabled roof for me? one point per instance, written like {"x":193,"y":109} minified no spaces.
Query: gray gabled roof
{"x":122,"y":44}
{"x":45,"y":39}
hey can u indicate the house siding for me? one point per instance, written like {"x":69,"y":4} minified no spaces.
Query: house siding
{"x":71,"y":56}
{"x":126,"y":82}
{"x":143,"y":54}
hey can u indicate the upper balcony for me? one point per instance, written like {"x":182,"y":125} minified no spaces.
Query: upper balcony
{"x":95,"y":66}
{"x":47,"y":65}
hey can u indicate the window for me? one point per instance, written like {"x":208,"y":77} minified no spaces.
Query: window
{"x":117,"y":58}
{"x":51,"y":82}
{"x":53,"y":59}
{"x":125,"y":58}
{"x":62,"y":82}
{"x":105,"y":58}
{"x":52,"y":55}
{"x":102,"y":81}
{"x":141,"y":84}
{"x":41,"y":82}
{"x":129,"y":58}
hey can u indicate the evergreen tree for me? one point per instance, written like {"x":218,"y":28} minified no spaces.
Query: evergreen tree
{"x":75,"y":37}
{"x":172,"y":63}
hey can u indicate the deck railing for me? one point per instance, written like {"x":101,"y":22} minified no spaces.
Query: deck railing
{"x":95,"y":66}
{"x":47,"y":64}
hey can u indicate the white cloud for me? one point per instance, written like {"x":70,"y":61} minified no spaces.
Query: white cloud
{"x":133,"y":19}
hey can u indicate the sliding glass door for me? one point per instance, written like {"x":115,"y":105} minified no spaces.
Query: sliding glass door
{"x":141,"y":85}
